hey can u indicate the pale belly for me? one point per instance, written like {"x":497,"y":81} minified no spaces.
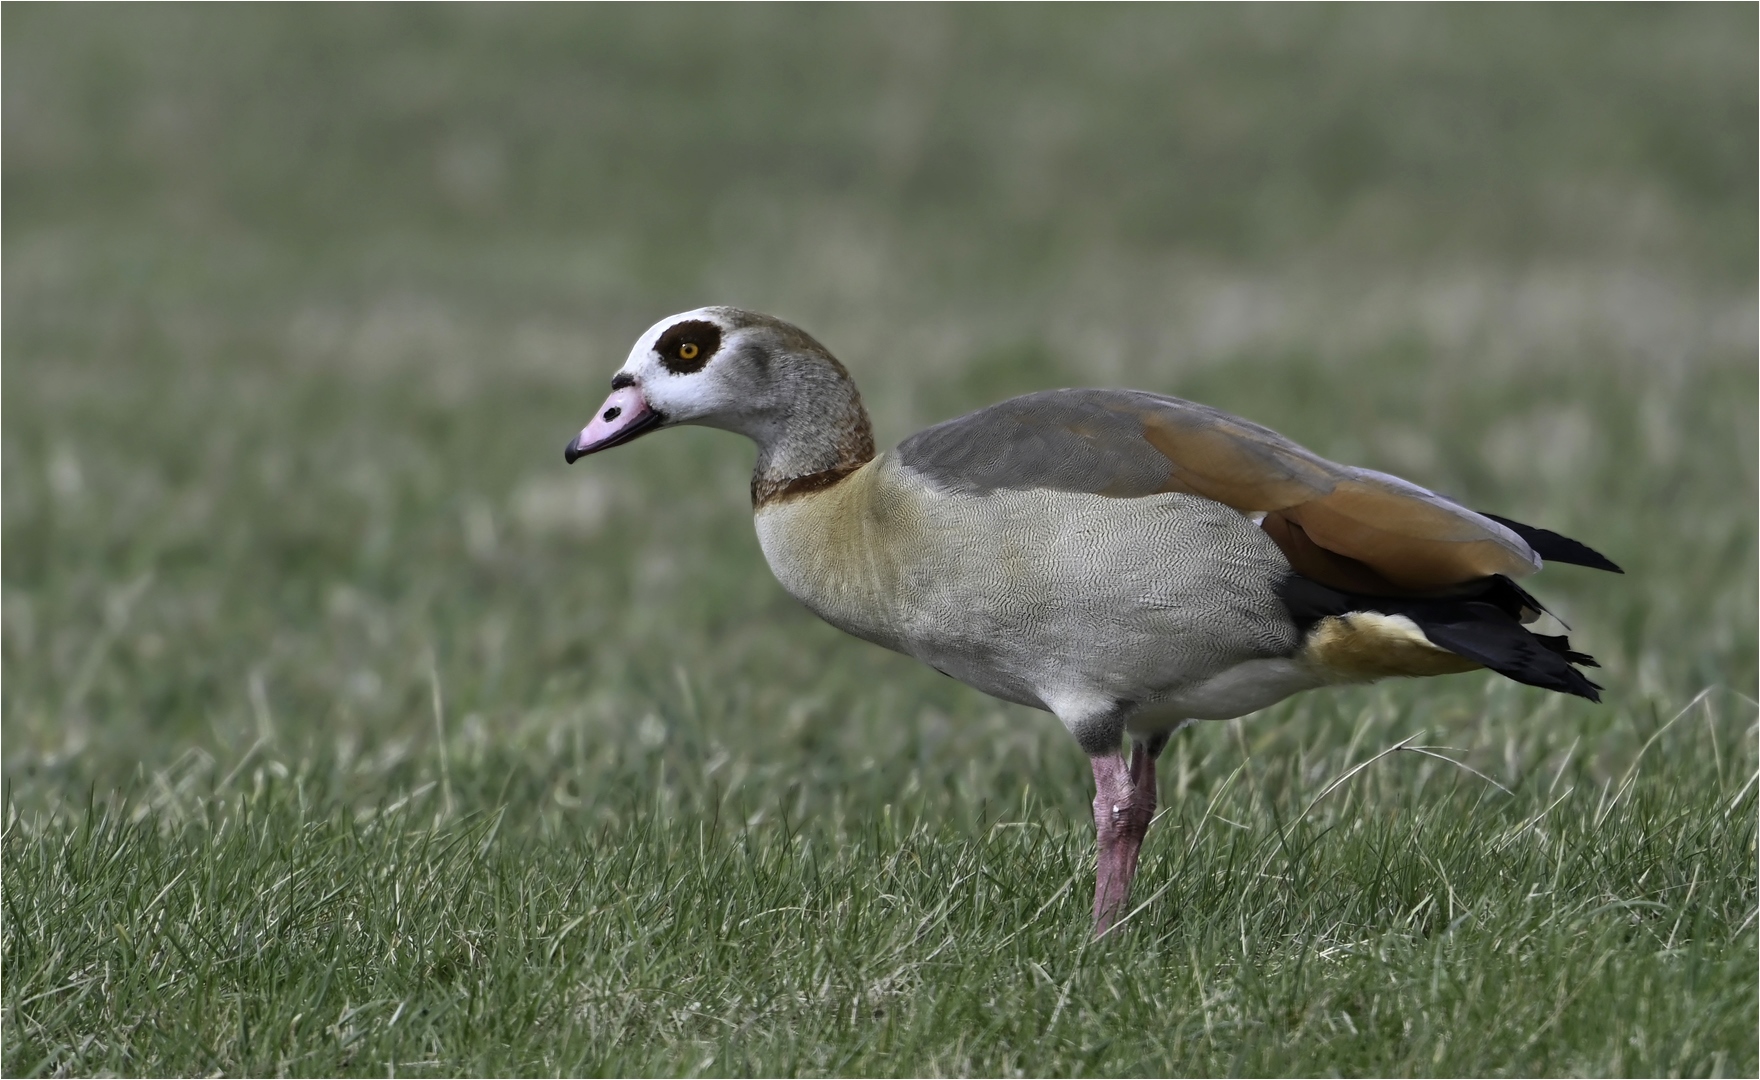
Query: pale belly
{"x":1244,"y":688}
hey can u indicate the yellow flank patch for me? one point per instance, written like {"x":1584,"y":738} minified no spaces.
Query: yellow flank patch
{"x":1367,"y":645}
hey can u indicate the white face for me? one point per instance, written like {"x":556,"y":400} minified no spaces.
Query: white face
{"x":680,"y":371}
{"x":674,"y":364}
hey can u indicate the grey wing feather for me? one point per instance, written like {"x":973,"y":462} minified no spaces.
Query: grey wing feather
{"x":1354,"y":528}
{"x":1062,"y":440}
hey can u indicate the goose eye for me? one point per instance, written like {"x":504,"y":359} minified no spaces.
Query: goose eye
{"x":686,"y":346}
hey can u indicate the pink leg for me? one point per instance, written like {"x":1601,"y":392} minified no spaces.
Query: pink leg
{"x":1124,"y":803}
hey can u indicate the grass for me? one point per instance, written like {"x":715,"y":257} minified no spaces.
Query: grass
{"x":1415,"y":924}
{"x":347,"y":731}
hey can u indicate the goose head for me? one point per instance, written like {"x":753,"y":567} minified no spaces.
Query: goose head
{"x":743,"y":372}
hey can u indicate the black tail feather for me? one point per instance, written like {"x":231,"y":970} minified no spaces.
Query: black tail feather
{"x":1562,"y":646}
{"x":1485,"y":628}
{"x":1483,"y":633}
{"x":1552,"y":547}
{"x":1509,"y":597}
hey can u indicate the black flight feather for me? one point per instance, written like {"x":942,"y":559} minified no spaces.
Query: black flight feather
{"x":1552,"y":547}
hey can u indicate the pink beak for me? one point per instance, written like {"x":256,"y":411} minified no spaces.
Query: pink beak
{"x":624,"y":416}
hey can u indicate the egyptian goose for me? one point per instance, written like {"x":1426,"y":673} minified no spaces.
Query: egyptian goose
{"x":1128,"y":561}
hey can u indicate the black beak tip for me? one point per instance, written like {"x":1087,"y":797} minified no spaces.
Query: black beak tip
{"x":572,"y":452}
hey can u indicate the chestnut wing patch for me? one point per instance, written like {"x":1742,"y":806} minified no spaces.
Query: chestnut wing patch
{"x":1352,"y":528}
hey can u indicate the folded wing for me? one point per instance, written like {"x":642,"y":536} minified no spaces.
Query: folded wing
{"x":1354,"y":529}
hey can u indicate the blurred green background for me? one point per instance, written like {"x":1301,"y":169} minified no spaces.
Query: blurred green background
{"x":302,"y":303}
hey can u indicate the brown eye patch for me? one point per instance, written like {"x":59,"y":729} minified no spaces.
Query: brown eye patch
{"x":686,"y":346}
